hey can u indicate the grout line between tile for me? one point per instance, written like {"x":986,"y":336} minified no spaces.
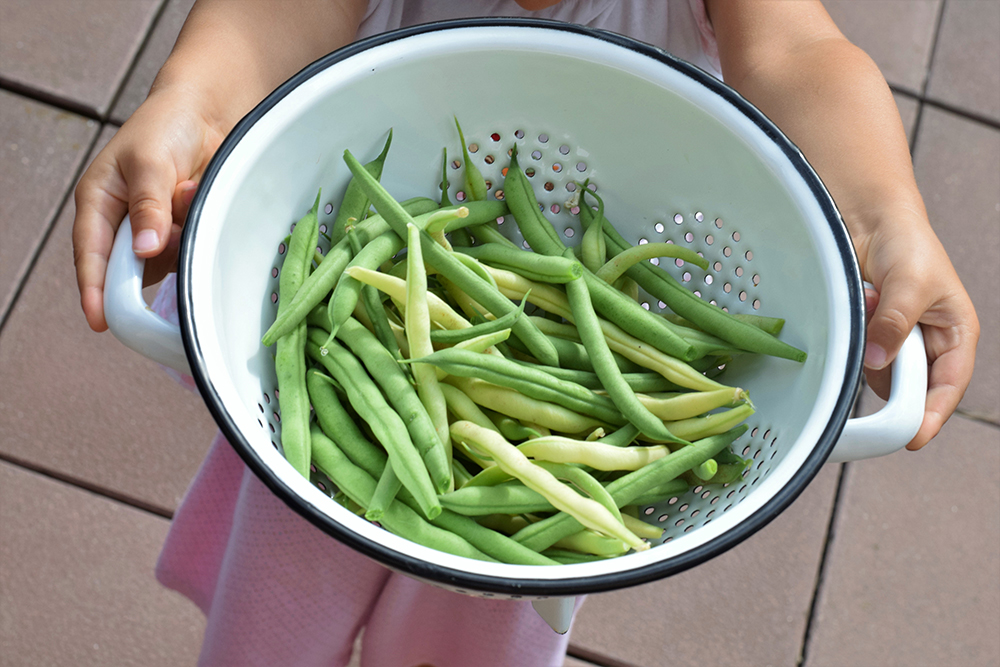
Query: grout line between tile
{"x":927,"y":77}
{"x":84,"y":485}
{"x":135,"y":60}
{"x":821,"y":571}
{"x":596,"y":659}
{"x":36,"y":251}
{"x":62,"y":103}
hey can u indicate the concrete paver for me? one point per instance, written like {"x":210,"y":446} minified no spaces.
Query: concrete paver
{"x":966,"y":68}
{"x":85,"y":407}
{"x":748,"y":606}
{"x":957,"y":162}
{"x":897,"y":34}
{"x":154,"y":54}
{"x":77,"y":584}
{"x":41,"y":148}
{"x":75,"y":52}
{"x":912,"y":572}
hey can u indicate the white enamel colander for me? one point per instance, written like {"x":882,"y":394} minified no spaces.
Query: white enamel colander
{"x":675,"y":154}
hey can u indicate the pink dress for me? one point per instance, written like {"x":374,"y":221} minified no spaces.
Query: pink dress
{"x":278,"y":591}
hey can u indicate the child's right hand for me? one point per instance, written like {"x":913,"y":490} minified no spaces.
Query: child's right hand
{"x":149,"y":170}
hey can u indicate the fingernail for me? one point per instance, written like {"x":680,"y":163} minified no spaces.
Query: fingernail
{"x":874,"y":356}
{"x":146,"y":240}
{"x":188,"y":194}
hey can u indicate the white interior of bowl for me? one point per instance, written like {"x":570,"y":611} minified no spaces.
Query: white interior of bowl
{"x":668,"y":156}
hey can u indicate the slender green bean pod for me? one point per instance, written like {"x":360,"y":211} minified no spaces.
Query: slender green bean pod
{"x":340,"y":427}
{"x":289,"y":359}
{"x":452,"y":337}
{"x":597,"y":347}
{"x":475,"y":184}
{"x":395,"y":384}
{"x":385,"y":491}
{"x":373,"y":306}
{"x":541,"y":268}
{"x":354,"y":203}
{"x":385,"y":423}
{"x":614,"y":268}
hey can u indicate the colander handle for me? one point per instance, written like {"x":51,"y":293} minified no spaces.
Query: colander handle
{"x":892,"y":427}
{"x":557,"y":612}
{"x":129,"y":318}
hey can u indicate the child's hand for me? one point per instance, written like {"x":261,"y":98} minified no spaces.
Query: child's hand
{"x":791,"y":61}
{"x":228,"y":56}
{"x":917,"y":283}
{"x":147,"y":170}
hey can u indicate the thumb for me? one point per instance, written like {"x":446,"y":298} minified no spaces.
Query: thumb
{"x":151,"y":186}
{"x":899,"y":305}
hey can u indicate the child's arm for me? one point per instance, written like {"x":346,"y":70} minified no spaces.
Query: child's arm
{"x":791,"y":61}
{"x":229,"y":55}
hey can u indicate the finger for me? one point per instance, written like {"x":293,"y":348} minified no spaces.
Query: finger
{"x":183,"y":194}
{"x":101,"y":204}
{"x":948,"y":376}
{"x":901,"y":301}
{"x":158,"y":267}
{"x":151,"y":182}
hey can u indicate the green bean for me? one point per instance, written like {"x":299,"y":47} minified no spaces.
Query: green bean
{"x":461,"y":237}
{"x":452,"y":268}
{"x":317,"y":286}
{"x":289,"y":359}
{"x":541,"y":268}
{"x":475,"y":184}
{"x":480,"y":344}
{"x":385,"y":423}
{"x":445,"y":201}
{"x":588,"y":512}
{"x":510,"y":428}
{"x":514,"y":498}
{"x":623,"y":437}
{"x":461,"y":475}
{"x":373,"y":306}
{"x":490,"y":542}
{"x":465,"y":408}
{"x":385,"y":491}
{"x":624,"y":490}
{"x":597,"y":347}
{"x":354,"y":203}
{"x":706,"y":470}
{"x":593,"y":249}
{"x":488,"y":232}
{"x":712,"y":319}
{"x":398,"y":517}
{"x":391,"y":377}
{"x":520,"y":198}
{"x":582,"y":480}
{"x":590,"y":543}
{"x":639,"y":382}
{"x":490,"y":476}
{"x":674,"y":487}
{"x":568,"y":557}
{"x":339,"y":426}
{"x":451,"y":337}
{"x":771,"y":325}
{"x":623,"y":261}
{"x":476,"y":267}
{"x":517,"y":405}
{"x":526,"y":380}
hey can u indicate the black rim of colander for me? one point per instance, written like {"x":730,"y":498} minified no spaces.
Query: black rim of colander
{"x":511,"y":586}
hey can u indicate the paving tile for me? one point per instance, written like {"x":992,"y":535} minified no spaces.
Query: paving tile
{"x":573,"y":662}
{"x":897,"y":34}
{"x":152,"y":57}
{"x":957,"y":163}
{"x":911,"y":573}
{"x":78,"y":52}
{"x":748,"y":606}
{"x":966,"y":67}
{"x":77,"y":584}
{"x":82,"y":405}
{"x":41,"y":149}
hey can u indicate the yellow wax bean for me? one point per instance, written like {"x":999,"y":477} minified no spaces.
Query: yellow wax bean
{"x":685,"y":406}
{"x":641,"y":528}
{"x":517,"y":405}
{"x":589,"y":542}
{"x":594,"y":454}
{"x":418,"y":333}
{"x":440,"y":312}
{"x":588,"y":512}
